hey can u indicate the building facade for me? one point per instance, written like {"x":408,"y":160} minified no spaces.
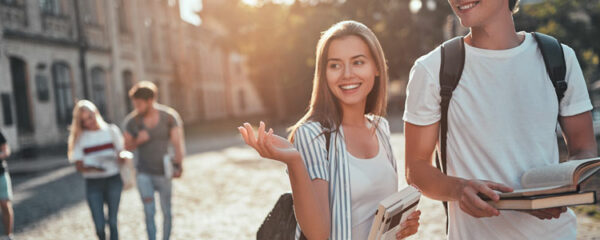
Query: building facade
{"x":55,"y":52}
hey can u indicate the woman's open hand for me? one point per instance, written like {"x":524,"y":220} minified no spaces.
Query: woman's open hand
{"x":269,"y":145}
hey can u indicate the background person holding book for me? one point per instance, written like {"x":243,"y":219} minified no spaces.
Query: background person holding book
{"x":340,"y":161}
{"x":501,"y":122}
{"x":93,"y":147}
{"x":150,"y":130}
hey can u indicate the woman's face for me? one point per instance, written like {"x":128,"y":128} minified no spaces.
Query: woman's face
{"x":88,"y":120}
{"x":350,"y":70}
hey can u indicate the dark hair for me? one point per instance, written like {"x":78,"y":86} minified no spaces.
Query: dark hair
{"x":143,"y":90}
{"x":513,"y":5}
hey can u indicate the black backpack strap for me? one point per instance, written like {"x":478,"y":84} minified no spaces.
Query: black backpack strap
{"x":451,"y":68}
{"x":554,"y":59}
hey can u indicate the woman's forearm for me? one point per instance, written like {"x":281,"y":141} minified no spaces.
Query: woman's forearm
{"x":312,"y":216}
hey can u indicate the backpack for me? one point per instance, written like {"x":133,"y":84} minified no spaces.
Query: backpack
{"x":451,"y":67}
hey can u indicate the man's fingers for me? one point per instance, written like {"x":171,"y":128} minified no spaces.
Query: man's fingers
{"x":487,"y":191}
{"x":482,"y":207}
{"x":499,"y":186}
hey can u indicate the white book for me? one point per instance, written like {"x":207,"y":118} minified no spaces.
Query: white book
{"x":392,"y":211}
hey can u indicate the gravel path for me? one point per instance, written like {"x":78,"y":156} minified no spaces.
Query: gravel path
{"x":224,"y":194}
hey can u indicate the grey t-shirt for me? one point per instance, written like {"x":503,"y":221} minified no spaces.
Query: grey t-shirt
{"x":151,"y":153}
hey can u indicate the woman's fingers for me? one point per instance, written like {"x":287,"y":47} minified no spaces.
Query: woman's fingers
{"x":250,"y":132}
{"x":269,"y":143}
{"x":407,"y":228}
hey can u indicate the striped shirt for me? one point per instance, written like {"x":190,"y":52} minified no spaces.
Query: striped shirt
{"x":332,"y":166}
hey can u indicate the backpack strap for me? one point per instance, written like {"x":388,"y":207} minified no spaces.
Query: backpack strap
{"x":554,"y":59}
{"x":451,"y":68}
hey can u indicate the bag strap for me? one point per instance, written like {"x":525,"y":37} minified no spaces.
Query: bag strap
{"x":554,"y":59}
{"x":451,"y":68}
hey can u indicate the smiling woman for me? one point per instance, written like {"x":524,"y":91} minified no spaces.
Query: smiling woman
{"x":339,"y":160}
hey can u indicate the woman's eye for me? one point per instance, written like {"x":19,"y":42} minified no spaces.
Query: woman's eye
{"x":334,"y":65}
{"x":359,"y":62}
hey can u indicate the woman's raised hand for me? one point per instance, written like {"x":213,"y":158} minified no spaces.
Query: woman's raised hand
{"x":269,"y":145}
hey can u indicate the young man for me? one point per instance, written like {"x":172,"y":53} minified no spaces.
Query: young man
{"x":149,"y":129}
{"x":5,"y":190}
{"x":502,"y":120}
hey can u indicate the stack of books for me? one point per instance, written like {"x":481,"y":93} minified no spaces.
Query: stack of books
{"x":551,"y":186}
{"x":392,"y":211}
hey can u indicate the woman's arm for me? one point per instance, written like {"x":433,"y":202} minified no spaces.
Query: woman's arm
{"x":311,"y":197}
{"x":83,"y":169}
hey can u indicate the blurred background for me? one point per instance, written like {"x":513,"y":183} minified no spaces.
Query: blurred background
{"x":218,"y":63}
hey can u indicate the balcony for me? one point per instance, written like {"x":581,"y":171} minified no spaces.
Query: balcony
{"x":12,"y":16}
{"x":96,"y":37}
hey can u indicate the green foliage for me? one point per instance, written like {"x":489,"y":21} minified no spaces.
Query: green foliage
{"x":573,"y":23}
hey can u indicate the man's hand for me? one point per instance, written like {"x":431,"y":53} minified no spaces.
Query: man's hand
{"x":472,"y":204}
{"x":142,"y":137}
{"x":178,"y":171}
{"x":547,"y":213}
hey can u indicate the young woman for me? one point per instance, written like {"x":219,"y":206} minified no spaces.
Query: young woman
{"x":93,"y":147}
{"x":337,"y":183}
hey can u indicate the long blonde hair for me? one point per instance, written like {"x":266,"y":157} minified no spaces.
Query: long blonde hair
{"x":324,"y":106}
{"x":76,"y":127}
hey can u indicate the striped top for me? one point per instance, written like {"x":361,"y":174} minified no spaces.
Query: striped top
{"x":332,"y":166}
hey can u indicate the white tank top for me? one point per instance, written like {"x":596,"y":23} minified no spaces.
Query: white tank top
{"x":371,"y":180}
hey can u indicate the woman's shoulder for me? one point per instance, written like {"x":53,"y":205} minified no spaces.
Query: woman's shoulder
{"x":310,"y":129}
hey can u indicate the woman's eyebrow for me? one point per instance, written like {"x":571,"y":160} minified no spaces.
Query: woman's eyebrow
{"x":337,"y":59}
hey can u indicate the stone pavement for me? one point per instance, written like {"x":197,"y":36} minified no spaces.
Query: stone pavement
{"x":225,"y":193}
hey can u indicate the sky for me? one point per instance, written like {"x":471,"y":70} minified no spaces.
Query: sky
{"x":188,"y":7}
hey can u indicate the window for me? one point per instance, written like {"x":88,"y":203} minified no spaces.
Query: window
{"x":98,"y":89}
{"x":51,"y":7}
{"x":63,"y":94}
{"x":123,"y":16}
{"x":90,"y":11}
{"x":127,"y":84}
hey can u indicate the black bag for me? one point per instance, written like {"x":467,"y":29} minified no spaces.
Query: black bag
{"x":453,"y":60}
{"x":281,"y":223}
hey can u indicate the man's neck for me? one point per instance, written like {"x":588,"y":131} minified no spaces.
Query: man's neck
{"x":151,"y":111}
{"x":497,"y":34}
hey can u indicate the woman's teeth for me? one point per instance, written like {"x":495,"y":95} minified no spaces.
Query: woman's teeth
{"x":350,"y":87}
{"x":468,"y":6}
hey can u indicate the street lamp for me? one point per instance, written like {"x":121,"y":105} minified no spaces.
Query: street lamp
{"x":415,"y":6}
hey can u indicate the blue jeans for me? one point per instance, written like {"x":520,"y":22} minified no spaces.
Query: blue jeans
{"x":147,"y":185}
{"x":104,"y":190}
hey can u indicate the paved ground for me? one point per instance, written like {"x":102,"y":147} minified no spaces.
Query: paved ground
{"x":225,"y":193}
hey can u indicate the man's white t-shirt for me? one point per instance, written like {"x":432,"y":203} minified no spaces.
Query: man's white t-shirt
{"x":501,"y":122}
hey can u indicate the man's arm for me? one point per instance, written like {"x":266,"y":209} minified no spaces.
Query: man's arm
{"x":420,"y":145}
{"x":578,"y":133}
{"x":178,"y":142}
{"x":4,"y":151}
